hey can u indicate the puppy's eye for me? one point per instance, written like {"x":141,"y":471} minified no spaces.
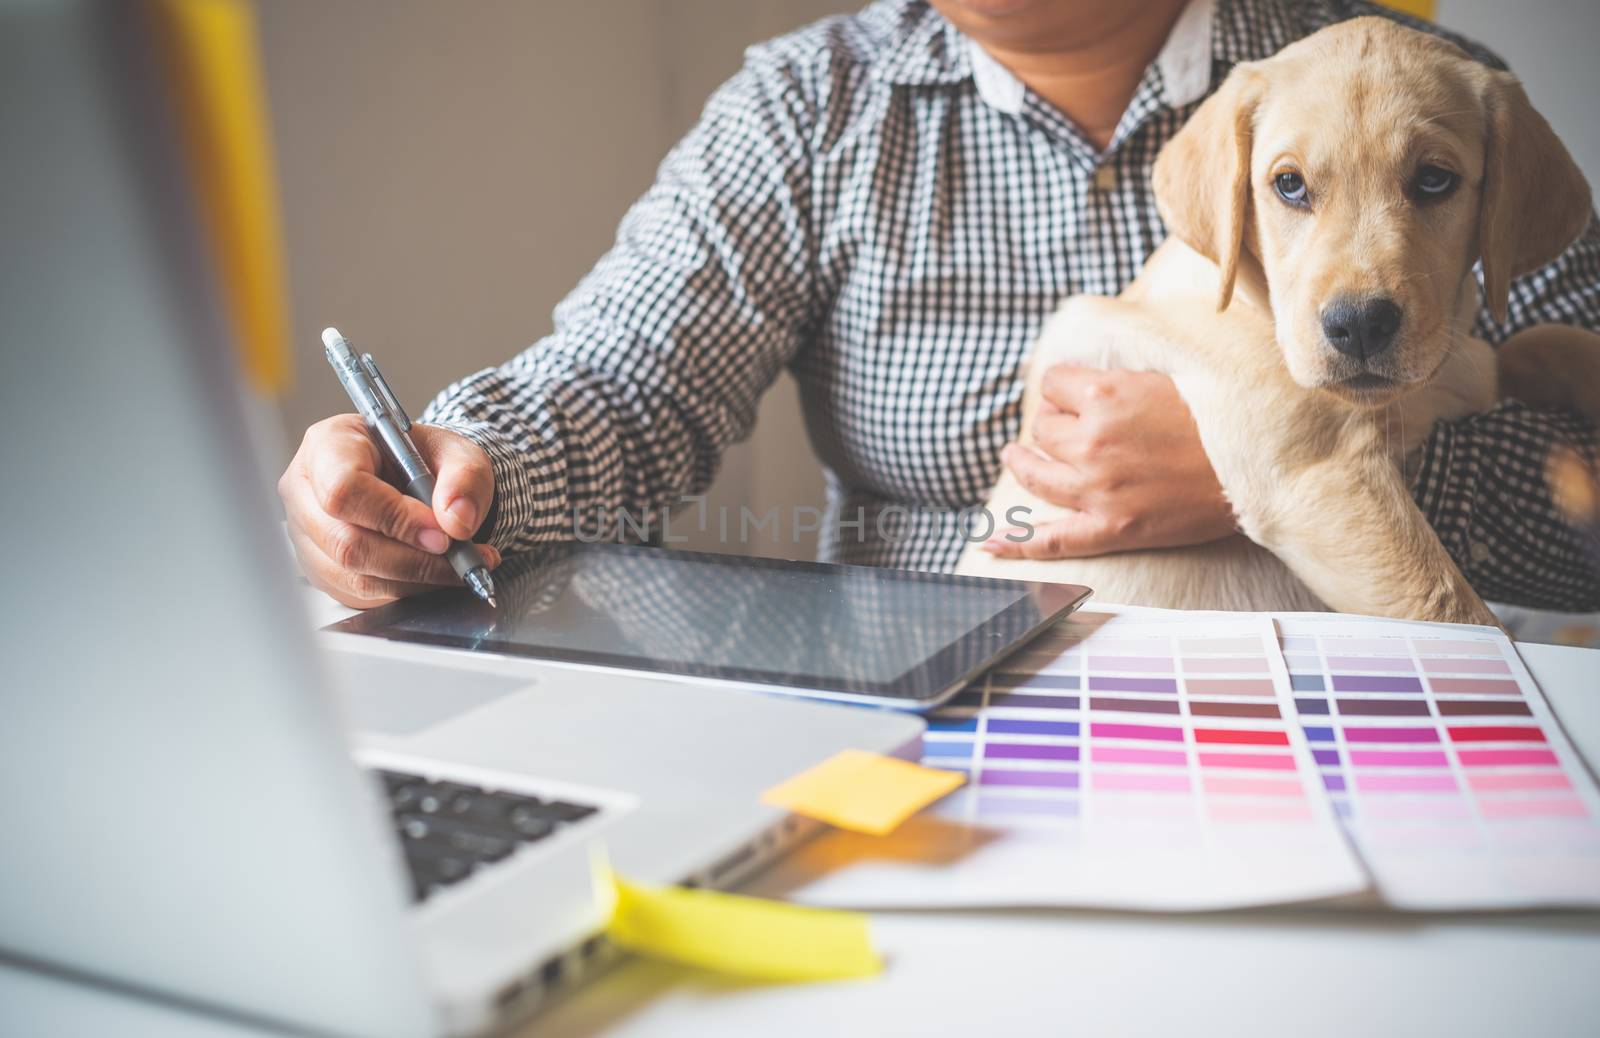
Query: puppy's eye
{"x":1434,"y":182}
{"x":1291,"y":187}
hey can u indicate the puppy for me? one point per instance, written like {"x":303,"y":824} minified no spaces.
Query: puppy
{"x":1313,"y":307}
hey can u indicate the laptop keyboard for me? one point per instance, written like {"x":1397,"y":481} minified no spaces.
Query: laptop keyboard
{"x":449,"y":830}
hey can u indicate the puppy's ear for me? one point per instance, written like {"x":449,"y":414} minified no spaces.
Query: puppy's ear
{"x":1535,"y":199}
{"x":1202,"y":176}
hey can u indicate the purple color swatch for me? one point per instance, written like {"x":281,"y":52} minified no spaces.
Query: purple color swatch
{"x":1028,"y":751}
{"x":1040,"y":779}
{"x":1036,"y":702}
{"x":1384,"y":664}
{"x":1375,"y":683}
{"x":1016,"y":726}
{"x":1107,"y":684}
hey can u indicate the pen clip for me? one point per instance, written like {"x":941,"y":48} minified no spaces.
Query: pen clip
{"x":391,"y":402}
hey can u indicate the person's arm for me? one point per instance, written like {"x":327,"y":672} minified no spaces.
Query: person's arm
{"x":656,"y":364}
{"x":659,"y":356}
{"x":1122,"y":448}
{"x":1481,"y":481}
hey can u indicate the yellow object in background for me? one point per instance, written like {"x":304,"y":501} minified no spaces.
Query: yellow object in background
{"x":210,"y":48}
{"x":863,"y":792}
{"x":1419,"y":8}
{"x":740,"y":936}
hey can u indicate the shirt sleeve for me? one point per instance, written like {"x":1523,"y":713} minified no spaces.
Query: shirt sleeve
{"x":659,"y":356}
{"x":1481,"y":480}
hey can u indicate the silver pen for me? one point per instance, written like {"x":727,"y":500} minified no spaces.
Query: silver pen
{"x":387,"y":422}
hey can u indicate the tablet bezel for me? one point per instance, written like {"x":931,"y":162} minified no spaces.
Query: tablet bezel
{"x":922,"y":687}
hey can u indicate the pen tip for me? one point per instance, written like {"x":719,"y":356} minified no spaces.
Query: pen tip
{"x":492,"y":603}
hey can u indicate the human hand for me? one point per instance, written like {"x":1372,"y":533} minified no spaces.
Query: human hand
{"x":361,"y":540}
{"x":1121,"y":449}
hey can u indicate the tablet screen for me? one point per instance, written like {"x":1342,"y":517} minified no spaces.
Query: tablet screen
{"x":850,"y":631}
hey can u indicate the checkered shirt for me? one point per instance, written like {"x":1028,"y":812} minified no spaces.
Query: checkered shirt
{"x":853,"y":208}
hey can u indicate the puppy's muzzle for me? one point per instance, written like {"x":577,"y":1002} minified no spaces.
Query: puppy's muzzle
{"x":1361,"y":328}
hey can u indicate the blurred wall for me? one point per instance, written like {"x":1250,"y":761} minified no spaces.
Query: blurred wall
{"x":450,"y":170}
{"x":1550,"y":45}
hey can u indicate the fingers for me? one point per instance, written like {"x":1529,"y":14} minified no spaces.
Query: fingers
{"x":1054,"y":481}
{"x":360,"y":539}
{"x":363,"y":569}
{"x":463,"y":479}
{"x":1058,"y":434}
{"x":1076,"y":535}
{"x":343,"y":474}
{"x":356,"y":590}
{"x":1071,"y":388}
{"x":365,"y":552}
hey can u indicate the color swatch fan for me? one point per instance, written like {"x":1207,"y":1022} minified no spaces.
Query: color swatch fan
{"x":1119,"y":761}
{"x":1444,"y":763}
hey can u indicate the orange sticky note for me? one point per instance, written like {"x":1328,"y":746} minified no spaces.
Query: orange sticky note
{"x":863,"y":792}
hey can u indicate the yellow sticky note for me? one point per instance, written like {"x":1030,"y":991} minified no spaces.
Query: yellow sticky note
{"x":741,"y":936}
{"x":863,"y":792}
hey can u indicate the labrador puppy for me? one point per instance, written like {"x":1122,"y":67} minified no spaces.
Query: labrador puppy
{"x":1314,"y":306}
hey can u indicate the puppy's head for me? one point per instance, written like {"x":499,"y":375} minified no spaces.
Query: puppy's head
{"x":1366,"y":168}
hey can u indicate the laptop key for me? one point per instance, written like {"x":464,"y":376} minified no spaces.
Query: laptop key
{"x":559,"y":811}
{"x":452,"y":837}
{"x":439,"y":866}
{"x":393,"y":780}
{"x":444,"y":797}
{"x":562,"y":811}
{"x":516,"y":816}
{"x":403,"y":790}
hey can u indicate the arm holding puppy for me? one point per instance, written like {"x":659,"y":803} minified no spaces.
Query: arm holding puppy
{"x":1479,"y":479}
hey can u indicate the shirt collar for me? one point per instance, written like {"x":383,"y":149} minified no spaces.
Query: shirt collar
{"x":1207,"y":34}
{"x":1185,"y":60}
{"x":1250,"y":30}
{"x":1184,"y":64}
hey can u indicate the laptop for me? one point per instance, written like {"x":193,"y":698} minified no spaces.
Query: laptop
{"x":203,"y":806}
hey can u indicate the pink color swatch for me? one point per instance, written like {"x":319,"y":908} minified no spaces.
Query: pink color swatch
{"x":1138,"y":782}
{"x":1253,"y":761}
{"x":1499,"y":781}
{"x":1224,"y":665}
{"x":1260,"y":787}
{"x":1499,"y":758}
{"x":1399,"y":758}
{"x":1476,"y":686}
{"x":1135,"y":755}
{"x":1369,"y":782}
{"x":1432,"y":665}
{"x":1541,"y":807}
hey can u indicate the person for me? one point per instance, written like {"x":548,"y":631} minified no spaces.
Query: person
{"x":889,"y":204}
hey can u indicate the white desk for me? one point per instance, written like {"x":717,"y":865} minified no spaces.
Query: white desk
{"x":1097,"y":973}
{"x":1086,"y":973}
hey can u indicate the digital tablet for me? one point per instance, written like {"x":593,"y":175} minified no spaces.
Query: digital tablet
{"x":854,"y":633}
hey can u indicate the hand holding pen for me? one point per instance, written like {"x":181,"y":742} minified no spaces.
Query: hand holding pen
{"x":363,"y":541}
{"x":391,"y":427}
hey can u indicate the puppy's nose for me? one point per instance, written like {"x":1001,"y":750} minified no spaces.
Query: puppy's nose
{"x":1361,"y":328}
